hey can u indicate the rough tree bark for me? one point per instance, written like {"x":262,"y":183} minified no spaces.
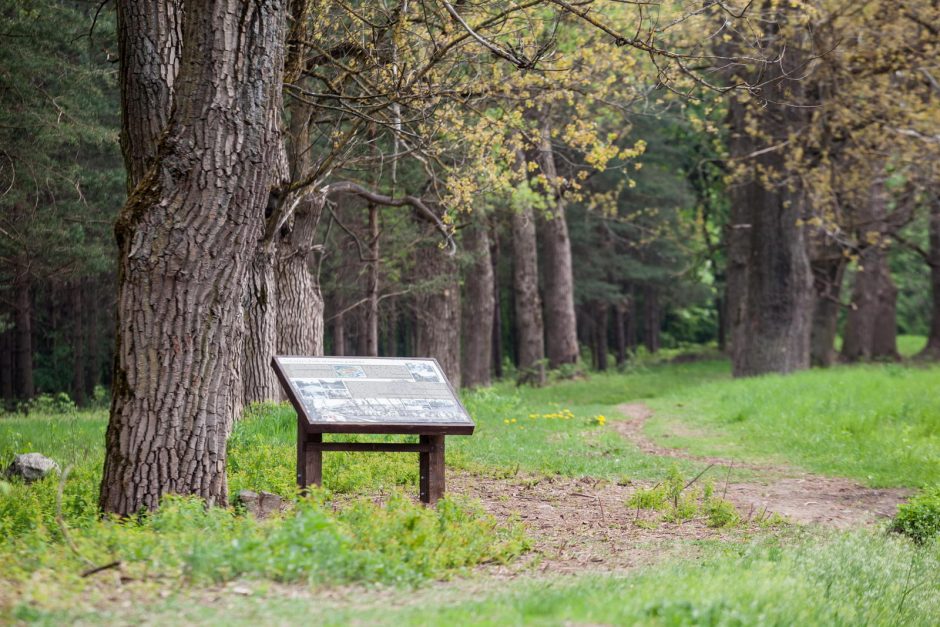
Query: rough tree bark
{"x":437,"y":311}
{"x":259,"y":321}
{"x":528,"y":303}
{"x":6,"y":366}
{"x":185,"y":239}
{"x":477,"y":351}
{"x":561,"y":329}
{"x":871,"y":325}
{"x":932,"y":350}
{"x":149,"y":40}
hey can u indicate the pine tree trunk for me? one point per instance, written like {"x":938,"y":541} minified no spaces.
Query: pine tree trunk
{"x":827,"y":283}
{"x":652,"y":320}
{"x":620,"y":336}
{"x":149,"y":40}
{"x":437,"y":313}
{"x":561,"y":328}
{"x":339,"y":335}
{"x":497,"y":350}
{"x":6,"y":367}
{"x":528,"y":303}
{"x":932,"y":350}
{"x":600,"y":335}
{"x":477,"y":316}
{"x":23,"y":323}
{"x":77,"y":341}
{"x":92,"y":337}
{"x":185,"y":239}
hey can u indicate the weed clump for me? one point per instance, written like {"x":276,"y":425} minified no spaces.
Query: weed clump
{"x":919,"y":518}
{"x":680,"y":501}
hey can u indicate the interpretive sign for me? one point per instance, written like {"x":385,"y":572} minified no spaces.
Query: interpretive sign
{"x":372,"y":395}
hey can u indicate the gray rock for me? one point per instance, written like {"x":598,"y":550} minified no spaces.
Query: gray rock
{"x":261,"y":504}
{"x":31,"y":466}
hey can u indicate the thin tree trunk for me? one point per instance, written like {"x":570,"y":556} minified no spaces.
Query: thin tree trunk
{"x":497,"y":350}
{"x":372,"y":285}
{"x":339,"y":334}
{"x":186,"y":237}
{"x":23,"y":323}
{"x":6,"y":366}
{"x":477,"y":351}
{"x":600,"y":334}
{"x":652,"y":319}
{"x":437,"y":318}
{"x":78,"y":341}
{"x":932,"y":350}
{"x":528,"y":304}
{"x":620,"y":336}
{"x":561,"y":330}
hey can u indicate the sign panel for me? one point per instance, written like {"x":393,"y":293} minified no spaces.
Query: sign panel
{"x":373,"y":395}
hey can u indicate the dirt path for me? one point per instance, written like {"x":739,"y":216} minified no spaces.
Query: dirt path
{"x":798,"y":495}
{"x":582,"y":525}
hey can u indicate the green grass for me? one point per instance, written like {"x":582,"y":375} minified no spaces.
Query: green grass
{"x":847,"y":579}
{"x":910,"y":345}
{"x":879,"y":424}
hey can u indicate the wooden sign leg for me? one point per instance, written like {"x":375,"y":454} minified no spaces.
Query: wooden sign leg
{"x":432,"y":469}
{"x":309,"y":462}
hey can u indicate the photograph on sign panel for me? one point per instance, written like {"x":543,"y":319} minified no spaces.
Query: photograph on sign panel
{"x":423,"y":371}
{"x":310,"y":388}
{"x":381,"y":410}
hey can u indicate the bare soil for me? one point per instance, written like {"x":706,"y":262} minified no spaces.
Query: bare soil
{"x":795,"y":494}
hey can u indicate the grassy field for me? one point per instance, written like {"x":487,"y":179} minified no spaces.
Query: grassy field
{"x":879,"y":424}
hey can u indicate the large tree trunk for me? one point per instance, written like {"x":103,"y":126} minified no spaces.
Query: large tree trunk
{"x":561,"y":329}
{"x":477,"y":316}
{"x":437,"y":312}
{"x":769,"y":282}
{"x":827,"y":283}
{"x":528,"y":303}
{"x":932,"y":350}
{"x":871,"y":325}
{"x":185,"y":241}
{"x":149,"y":40}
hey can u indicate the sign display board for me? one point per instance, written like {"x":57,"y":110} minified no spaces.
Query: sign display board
{"x":373,"y":395}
